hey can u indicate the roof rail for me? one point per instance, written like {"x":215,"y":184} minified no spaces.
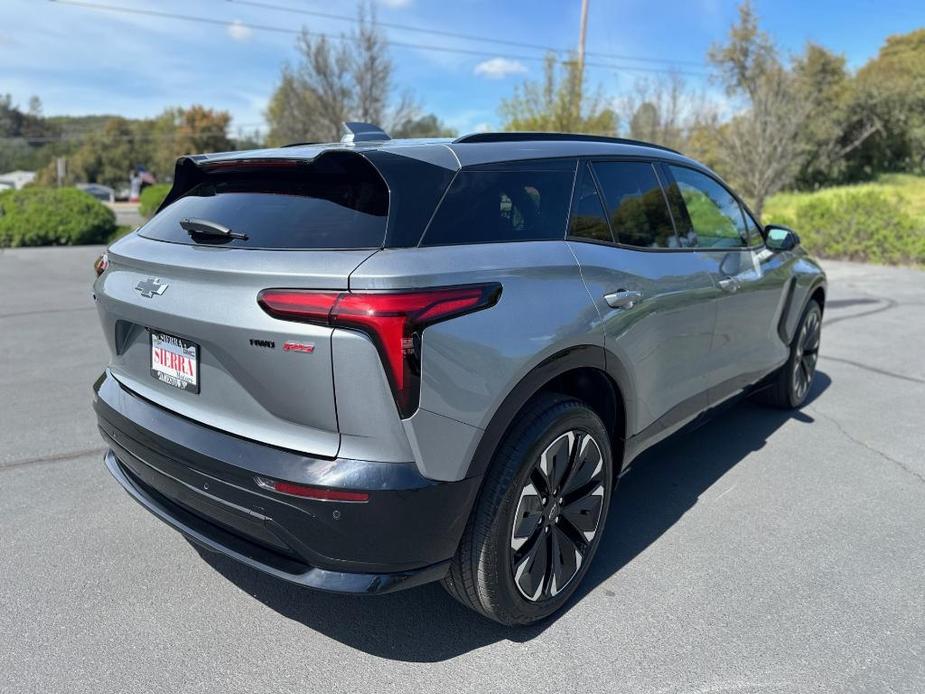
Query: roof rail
{"x":363,"y":132}
{"x":555,"y":137}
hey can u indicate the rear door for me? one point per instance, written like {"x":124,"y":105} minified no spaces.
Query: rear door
{"x":751,"y":281}
{"x":180,"y":311}
{"x":653,"y":296}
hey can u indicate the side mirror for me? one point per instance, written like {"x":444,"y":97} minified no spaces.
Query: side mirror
{"x":780,"y":238}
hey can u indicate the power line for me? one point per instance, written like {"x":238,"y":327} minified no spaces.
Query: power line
{"x":394,"y":25}
{"x":454,"y":34}
{"x":398,"y":44}
{"x":47,"y":140}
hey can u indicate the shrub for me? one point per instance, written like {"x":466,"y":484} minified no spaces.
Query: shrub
{"x":53,"y":217}
{"x":151,"y":198}
{"x":862,"y":225}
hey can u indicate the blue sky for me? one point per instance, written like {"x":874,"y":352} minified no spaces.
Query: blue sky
{"x":81,"y":61}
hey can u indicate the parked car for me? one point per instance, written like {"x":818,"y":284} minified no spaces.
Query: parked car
{"x":97,"y":190}
{"x":368,"y":365}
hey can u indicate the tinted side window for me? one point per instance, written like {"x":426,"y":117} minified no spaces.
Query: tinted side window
{"x":487,"y":206}
{"x":636,"y":204}
{"x":716,"y":219}
{"x":588,"y":220}
{"x":752,"y":230}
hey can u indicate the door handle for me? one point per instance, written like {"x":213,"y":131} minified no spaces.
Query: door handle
{"x":729,"y":284}
{"x":622,"y":298}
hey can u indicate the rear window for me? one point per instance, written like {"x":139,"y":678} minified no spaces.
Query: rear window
{"x":588,"y":220}
{"x":334,"y":202}
{"x":529,"y":203}
{"x":638,"y":213}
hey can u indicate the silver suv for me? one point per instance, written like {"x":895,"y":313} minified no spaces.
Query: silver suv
{"x":368,"y":365}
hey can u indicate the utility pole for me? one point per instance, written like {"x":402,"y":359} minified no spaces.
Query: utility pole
{"x":581,"y":37}
{"x":579,"y":86}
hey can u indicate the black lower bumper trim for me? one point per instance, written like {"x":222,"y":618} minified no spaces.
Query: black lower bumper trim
{"x":312,"y":577}
{"x":204,"y":483}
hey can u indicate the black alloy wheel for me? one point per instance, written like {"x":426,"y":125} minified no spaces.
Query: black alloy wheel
{"x":557,"y":516}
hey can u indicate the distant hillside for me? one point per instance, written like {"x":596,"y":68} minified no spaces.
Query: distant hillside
{"x":77,"y":125}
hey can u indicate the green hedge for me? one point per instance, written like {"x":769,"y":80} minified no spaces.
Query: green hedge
{"x":53,"y":217}
{"x":862,"y":225}
{"x":151,"y":198}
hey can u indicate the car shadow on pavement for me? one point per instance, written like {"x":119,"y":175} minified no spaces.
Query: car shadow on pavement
{"x":426,"y":625}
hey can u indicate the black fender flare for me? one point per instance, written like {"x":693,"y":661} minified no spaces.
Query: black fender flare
{"x":569,"y":359}
{"x":790,"y":311}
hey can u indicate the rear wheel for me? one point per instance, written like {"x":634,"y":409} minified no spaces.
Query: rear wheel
{"x":795,"y":378}
{"x":540,"y":516}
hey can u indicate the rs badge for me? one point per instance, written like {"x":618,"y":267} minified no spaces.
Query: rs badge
{"x":306,"y":347}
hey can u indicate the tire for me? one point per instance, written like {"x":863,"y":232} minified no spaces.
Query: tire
{"x":498,"y":569}
{"x":793,"y":381}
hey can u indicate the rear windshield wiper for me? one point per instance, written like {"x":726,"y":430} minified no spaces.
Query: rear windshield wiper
{"x":207,"y":228}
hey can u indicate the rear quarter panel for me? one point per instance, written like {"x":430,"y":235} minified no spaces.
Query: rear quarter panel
{"x":471,"y":363}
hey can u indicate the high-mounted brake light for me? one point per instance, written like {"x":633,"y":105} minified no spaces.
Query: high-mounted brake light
{"x":308,"y":492}
{"x":393,"y":320}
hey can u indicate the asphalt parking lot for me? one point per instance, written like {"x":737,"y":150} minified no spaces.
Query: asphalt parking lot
{"x":764,"y":552}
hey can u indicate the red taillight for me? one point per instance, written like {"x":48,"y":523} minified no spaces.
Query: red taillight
{"x":308,"y":492}
{"x":391,"y":319}
{"x":101,"y":263}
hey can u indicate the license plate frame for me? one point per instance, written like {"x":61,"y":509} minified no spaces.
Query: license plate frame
{"x":185,"y":375}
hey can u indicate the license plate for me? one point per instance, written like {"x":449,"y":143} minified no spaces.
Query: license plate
{"x":175,"y":361}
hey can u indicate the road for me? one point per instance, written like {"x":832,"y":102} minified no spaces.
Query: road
{"x":764,"y":552}
{"x":127,"y":214}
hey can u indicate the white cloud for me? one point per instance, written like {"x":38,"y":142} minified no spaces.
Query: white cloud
{"x":239,"y":31}
{"x":499,"y":68}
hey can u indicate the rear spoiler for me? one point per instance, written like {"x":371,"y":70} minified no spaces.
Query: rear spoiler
{"x":191,"y":170}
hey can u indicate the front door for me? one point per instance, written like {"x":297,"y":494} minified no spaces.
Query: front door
{"x":751,"y":281}
{"x":654,"y":300}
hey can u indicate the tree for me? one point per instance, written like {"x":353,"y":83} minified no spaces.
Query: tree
{"x":423,"y":126}
{"x":761,"y":148}
{"x":823,"y":83}
{"x":109,"y":154}
{"x":890,"y":91}
{"x":332,"y":84}
{"x":558,"y":103}
{"x":106,"y":156}
{"x":178,"y":131}
{"x":35,"y":107}
{"x":838,"y":124}
{"x":663,"y":111}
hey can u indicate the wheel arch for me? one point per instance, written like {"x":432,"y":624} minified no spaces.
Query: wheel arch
{"x":794,"y":307}
{"x":818,"y":295}
{"x":584,"y":372}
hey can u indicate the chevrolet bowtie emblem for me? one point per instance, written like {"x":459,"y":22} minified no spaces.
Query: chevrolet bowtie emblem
{"x":150,"y":287}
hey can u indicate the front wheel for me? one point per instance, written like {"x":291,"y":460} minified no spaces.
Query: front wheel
{"x":540,"y":516}
{"x":792,"y":383}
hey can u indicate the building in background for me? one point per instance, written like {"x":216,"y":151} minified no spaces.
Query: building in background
{"x":16,"y":179}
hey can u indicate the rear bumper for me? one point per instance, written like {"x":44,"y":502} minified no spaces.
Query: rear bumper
{"x":202,"y":482}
